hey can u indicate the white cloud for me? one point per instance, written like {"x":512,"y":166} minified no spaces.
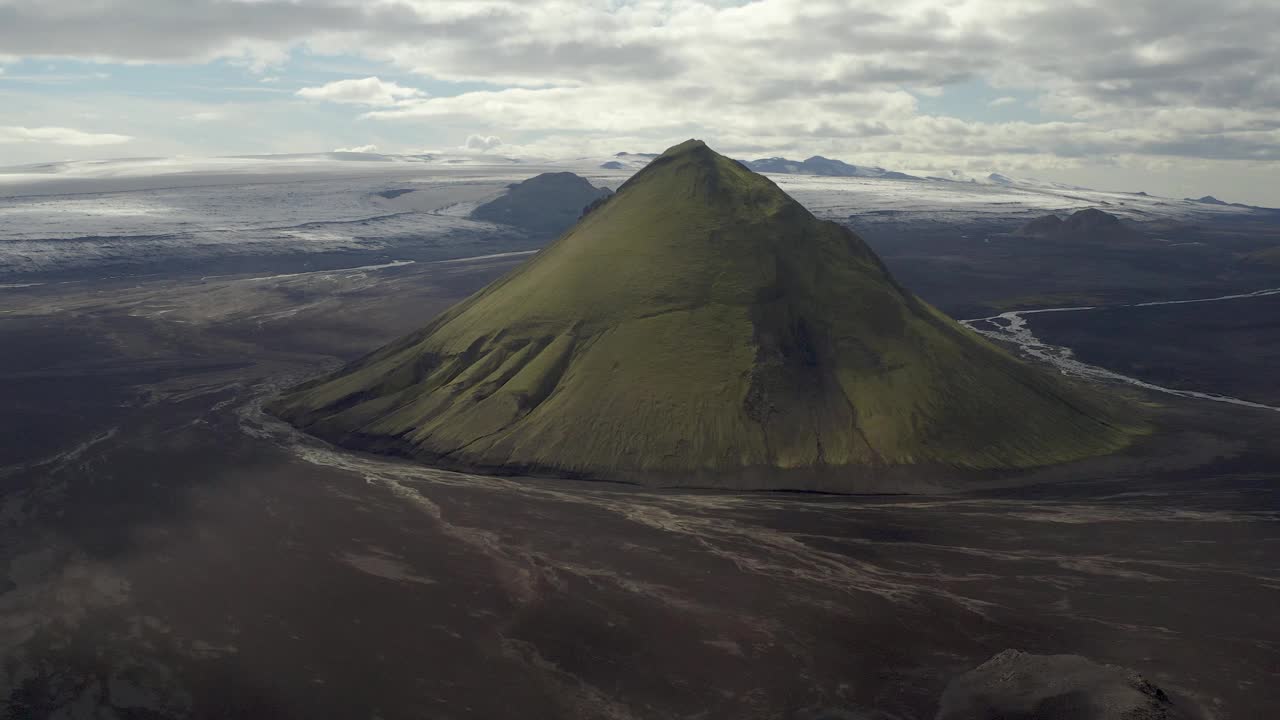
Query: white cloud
{"x":482,"y":142}
{"x":365,"y":91}
{"x":58,"y":136}
{"x":358,"y":149}
{"x":205,"y":116}
{"x":1184,"y":80}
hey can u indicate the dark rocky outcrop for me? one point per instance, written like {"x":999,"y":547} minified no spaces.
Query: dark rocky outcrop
{"x":1019,"y":686}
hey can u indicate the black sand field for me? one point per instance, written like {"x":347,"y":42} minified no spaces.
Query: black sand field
{"x":166,"y":550}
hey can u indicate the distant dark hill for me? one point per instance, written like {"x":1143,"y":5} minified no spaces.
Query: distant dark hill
{"x":544,"y":205}
{"x":1042,"y":227}
{"x":613,"y":165}
{"x":702,"y":328}
{"x":1083,"y":226}
{"x":1209,"y":200}
{"x":1093,"y":220}
{"x":818,"y":165}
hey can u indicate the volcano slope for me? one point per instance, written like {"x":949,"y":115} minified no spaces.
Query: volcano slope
{"x":701,"y":328}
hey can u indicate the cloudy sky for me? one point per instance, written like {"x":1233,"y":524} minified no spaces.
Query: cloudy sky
{"x":1176,"y":97}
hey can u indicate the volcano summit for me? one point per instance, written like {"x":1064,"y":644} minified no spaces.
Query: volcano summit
{"x":702,"y":328}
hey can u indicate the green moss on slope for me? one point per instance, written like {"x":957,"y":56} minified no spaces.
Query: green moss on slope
{"x":698,"y":324}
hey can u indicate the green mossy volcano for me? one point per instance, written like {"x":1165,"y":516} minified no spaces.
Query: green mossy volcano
{"x":701,"y":327}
